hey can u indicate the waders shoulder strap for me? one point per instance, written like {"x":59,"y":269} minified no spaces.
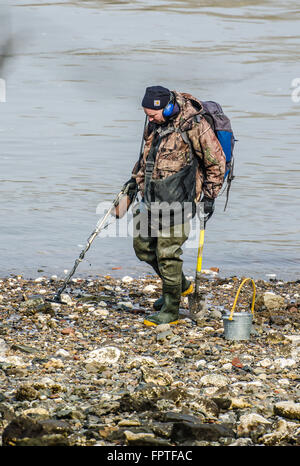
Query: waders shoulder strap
{"x":150,"y":161}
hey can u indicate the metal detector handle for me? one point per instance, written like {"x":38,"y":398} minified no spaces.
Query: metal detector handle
{"x":202,"y":216}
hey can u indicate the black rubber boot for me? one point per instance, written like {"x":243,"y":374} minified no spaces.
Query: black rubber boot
{"x":186,"y":289}
{"x":170,"y":309}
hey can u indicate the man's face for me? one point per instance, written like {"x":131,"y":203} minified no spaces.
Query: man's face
{"x":155,"y":115}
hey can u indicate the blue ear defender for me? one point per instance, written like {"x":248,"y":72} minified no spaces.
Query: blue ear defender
{"x":168,"y":110}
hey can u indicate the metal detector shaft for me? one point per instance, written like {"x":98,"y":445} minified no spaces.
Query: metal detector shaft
{"x":91,"y":238}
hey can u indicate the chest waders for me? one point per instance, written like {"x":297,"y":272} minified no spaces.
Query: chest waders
{"x":178,"y":193}
{"x":171,"y":201}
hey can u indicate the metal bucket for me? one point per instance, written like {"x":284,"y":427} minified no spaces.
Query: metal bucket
{"x":239,"y":327}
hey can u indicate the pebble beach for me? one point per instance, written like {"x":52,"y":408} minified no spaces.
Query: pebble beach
{"x":88,"y":372}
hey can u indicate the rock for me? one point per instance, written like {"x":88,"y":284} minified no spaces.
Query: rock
{"x":102,"y":304}
{"x":18,"y":428}
{"x":242,"y":442}
{"x":68,"y":331}
{"x":39,"y":279}
{"x":282,"y":363}
{"x":216,"y":380}
{"x":294,"y":339}
{"x":47,"y":382}
{"x":275,"y":338}
{"x":26,"y":392}
{"x":176,"y":394}
{"x":252,"y":425}
{"x":187,"y":431}
{"x":239,"y":403}
{"x":142,"y":399}
{"x":142,"y":361}
{"x":110,"y":288}
{"x":101,"y":312}
{"x":125,"y":305}
{"x":35,"y":304}
{"x":265,"y":362}
{"x":223,"y":402}
{"x":279,"y":320}
{"x":62,"y":353}
{"x":37,"y":413}
{"x":162,"y":328}
{"x":14,"y":361}
{"x":3,"y":347}
{"x":271,"y":301}
{"x":127,"y":279}
{"x":150,"y":289}
{"x":105,"y":407}
{"x":129,"y":423}
{"x":236,"y":362}
{"x":103,"y":357}
{"x":207,"y":407}
{"x":55,"y":307}
{"x":215,"y":314}
{"x":66,"y":299}
{"x":164,"y":335}
{"x":144,"y":439}
{"x":287,"y":409}
{"x":202,"y":363}
{"x":25,"y":431}
{"x":25,"y":349}
{"x":139,"y":438}
{"x":281,"y":432}
{"x":69,"y":413}
{"x":156,"y":376}
{"x":174,"y":416}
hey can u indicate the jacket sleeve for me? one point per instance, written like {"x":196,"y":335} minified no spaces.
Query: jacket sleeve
{"x":138,"y":169}
{"x":212,"y":158}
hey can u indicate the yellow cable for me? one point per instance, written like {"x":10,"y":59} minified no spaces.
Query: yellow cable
{"x":237,"y":295}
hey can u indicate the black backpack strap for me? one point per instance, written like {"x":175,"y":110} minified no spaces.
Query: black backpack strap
{"x":230,"y":177}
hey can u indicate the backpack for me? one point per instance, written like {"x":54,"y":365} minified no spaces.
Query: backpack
{"x":221,"y":125}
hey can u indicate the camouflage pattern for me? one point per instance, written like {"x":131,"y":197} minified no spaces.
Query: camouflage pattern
{"x":173,"y":152}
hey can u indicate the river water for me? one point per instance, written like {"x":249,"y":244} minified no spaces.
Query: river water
{"x":71,"y":126}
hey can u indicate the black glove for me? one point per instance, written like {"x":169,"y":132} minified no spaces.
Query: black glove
{"x":209,"y":207}
{"x":130,"y":188}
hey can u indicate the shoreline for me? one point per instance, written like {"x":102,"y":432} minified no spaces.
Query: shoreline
{"x":88,"y":372}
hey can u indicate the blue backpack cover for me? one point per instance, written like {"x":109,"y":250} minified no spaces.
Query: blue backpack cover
{"x":220,"y":123}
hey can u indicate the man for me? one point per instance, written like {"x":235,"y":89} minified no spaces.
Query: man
{"x":181,"y":161}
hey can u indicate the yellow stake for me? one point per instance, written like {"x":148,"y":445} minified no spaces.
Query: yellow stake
{"x":200,"y":251}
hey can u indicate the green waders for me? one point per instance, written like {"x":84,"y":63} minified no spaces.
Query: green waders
{"x":163,"y":252}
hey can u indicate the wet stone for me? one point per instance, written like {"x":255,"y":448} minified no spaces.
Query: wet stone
{"x":25,"y":431}
{"x":183,"y":431}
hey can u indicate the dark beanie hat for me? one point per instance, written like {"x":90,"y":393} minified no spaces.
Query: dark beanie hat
{"x":156,"y":97}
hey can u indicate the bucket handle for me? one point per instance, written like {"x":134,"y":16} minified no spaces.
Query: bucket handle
{"x":237,"y":295}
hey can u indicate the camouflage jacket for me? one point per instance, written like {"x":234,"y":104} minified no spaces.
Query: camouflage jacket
{"x":173,"y":152}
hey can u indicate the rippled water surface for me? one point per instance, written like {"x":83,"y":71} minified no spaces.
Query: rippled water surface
{"x":71,"y":126}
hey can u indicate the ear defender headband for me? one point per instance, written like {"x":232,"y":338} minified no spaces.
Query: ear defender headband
{"x":168,"y":110}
